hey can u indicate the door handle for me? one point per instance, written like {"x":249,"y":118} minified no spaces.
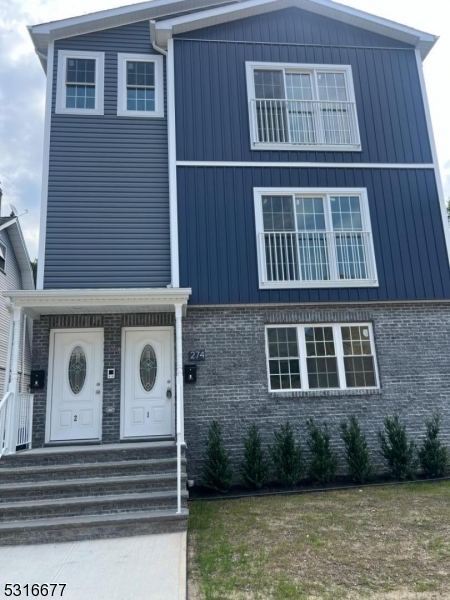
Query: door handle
{"x":97,"y":391}
{"x":169,"y":393}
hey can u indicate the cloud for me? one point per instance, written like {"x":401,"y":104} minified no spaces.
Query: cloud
{"x":22,"y":89}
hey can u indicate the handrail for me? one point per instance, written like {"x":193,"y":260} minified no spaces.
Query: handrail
{"x":4,"y":438}
{"x":4,"y":399}
{"x":333,"y":256}
{"x":16,"y":421}
{"x":304,"y":122}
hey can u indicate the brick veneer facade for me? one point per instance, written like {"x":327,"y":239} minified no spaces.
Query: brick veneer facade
{"x":413,"y":349}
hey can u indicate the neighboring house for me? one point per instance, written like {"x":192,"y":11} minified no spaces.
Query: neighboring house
{"x":257,"y":180}
{"x":15,"y":274}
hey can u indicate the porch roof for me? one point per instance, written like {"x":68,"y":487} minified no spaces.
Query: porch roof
{"x":92,"y":301}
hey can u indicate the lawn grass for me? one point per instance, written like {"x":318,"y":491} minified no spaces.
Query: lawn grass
{"x":388,"y":542}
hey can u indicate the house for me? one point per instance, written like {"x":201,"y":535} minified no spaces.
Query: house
{"x":15,"y":274}
{"x":242,"y":219}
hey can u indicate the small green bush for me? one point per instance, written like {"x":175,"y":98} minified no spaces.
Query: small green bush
{"x":255,"y":468}
{"x":287,"y":457}
{"x":359,"y":465}
{"x":323,"y":466}
{"x":217,"y":471}
{"x":398,"y":451}
{"x":433,"y":455}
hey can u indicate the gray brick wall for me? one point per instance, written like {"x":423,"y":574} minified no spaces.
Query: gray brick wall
{"x":413,"y":351}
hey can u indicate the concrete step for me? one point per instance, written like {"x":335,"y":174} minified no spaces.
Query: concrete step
{"x":63,"y":455}
{"x":53,"y":472}
{"x":92,"y":486}
{"x":65,"y":529}
{"x":91,"y":505}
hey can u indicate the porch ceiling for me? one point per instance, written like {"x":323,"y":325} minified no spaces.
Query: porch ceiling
{"x":49,"y":302}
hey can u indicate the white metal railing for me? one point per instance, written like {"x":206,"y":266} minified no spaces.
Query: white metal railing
{"x":304,"y":123}
{"x":25,"y":420}
{"x":317,"y":256}
{"x":5,"y":416}
{"x":16,"y":422}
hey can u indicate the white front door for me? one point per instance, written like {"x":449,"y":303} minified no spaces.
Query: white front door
{"x":147,"y":403}
{"x":76,"y":385}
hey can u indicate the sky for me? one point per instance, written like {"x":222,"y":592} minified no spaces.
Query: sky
{"x":22,"y":89}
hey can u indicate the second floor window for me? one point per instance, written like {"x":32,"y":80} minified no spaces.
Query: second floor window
{"x":80,"y":83}
{"x":140,"y":85}
{"x":314,"y":238}
{"x":302,"y":106}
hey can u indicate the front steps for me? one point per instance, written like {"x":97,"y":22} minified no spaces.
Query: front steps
{"x":89,"y":492}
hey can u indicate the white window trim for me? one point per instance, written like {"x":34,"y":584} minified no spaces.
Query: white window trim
{"x":61,"y":89}
{"x":365,"y":215}
{"x":122,"y":85}
{"x":337,"y":337}
{"x":250,"y":66}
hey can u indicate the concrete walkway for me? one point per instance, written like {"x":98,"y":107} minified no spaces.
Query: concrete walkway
{"x":151,"y":567}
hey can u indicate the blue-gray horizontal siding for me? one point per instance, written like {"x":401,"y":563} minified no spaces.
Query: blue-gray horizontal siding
{"x":108,"y":196}
{"x":211,"y":91}
{"x":217,"y":235}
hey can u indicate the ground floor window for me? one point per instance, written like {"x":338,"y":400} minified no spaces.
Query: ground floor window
{"x":321,"y":357}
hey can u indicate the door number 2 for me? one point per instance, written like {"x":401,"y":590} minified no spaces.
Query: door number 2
{"x":75,"y":418}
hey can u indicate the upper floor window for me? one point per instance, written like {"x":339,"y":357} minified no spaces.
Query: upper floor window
{"x":314,"y":238}
{"x":140,"y":85}
{"x":2,"y":258}
{"x":80,"y":83}
{"x":302,"y":107}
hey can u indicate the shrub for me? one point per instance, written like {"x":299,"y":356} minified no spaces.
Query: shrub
{"x":433,"y":455}
{"x":359,"y":465}
{"x":255,"y":468}
{"x":399,"y":452}
{"x":217,"y":471}
{"x":323,"y":465}
{"x":287,"y":457}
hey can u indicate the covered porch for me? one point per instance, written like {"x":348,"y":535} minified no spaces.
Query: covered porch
{"x":104,"y":364}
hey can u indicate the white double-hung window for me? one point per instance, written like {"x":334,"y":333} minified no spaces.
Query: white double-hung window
{"x":310,"y":238}
{"x":140,"y":85}
{"x":294,"y":106}
{"x":80,"y":83}
{"x":321,"y":357}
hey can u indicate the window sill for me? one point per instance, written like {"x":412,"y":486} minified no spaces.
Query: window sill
{"x":140,"y":114}
{"x":307,"y":148}
{"x":86,"y":112}
{"x":326,"y":393}
{"x":289,"y":285}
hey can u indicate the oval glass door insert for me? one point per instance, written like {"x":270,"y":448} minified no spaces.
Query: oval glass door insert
{"x":148,"y":367}
{"x":77,"y":369}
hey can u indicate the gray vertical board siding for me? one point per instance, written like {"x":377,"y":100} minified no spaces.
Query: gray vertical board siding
{"x":108,"y":193}
{"x":218,"y":245}
{"x":211,"y":88}
{"x":11,"y":280}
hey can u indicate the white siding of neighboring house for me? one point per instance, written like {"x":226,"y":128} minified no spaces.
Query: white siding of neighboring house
{"x":11,"y":281}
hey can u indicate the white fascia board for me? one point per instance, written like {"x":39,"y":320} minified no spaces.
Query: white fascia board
{"x":424,"y":41}
{"x":45,"y":33}
{"x":8,"y":224}
{"x":92,"y":297}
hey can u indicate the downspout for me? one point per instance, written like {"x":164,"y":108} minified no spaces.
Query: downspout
{"x":153,"y":37}
{"x":24,"y":332}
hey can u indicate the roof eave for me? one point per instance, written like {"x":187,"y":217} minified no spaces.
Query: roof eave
{"x":418,"y":39}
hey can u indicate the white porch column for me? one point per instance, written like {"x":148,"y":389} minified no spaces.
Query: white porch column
{"x":13,"y":414}
{"x":179,"y":370}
